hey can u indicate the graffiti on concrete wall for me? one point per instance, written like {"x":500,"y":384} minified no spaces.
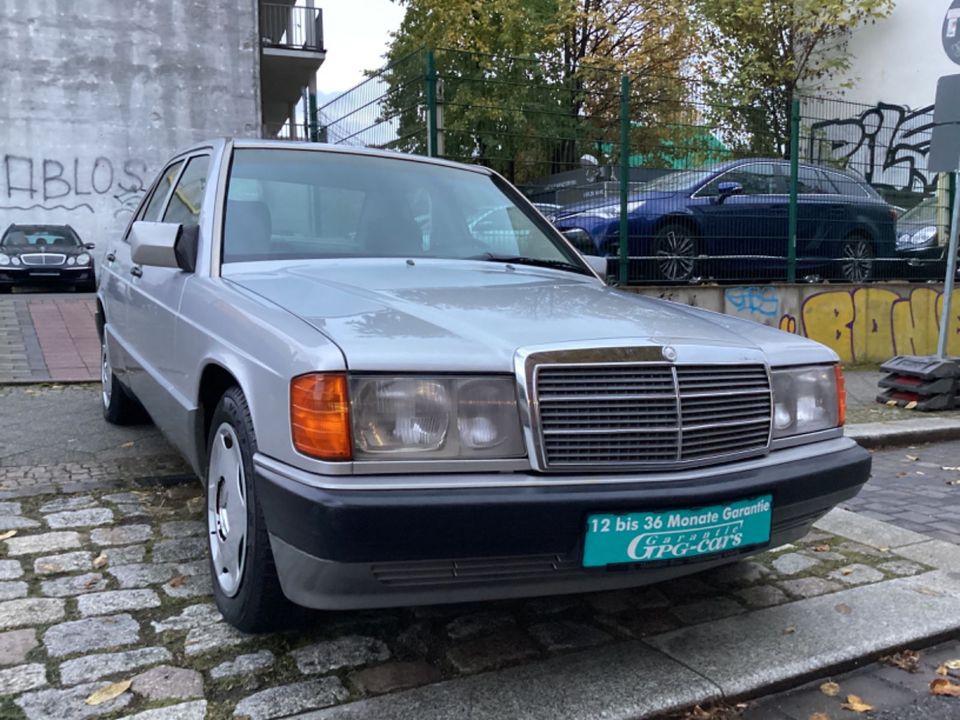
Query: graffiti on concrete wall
{"x":72,"y":184}
{"x":759,"y":303}
{"x":886,"y":144}
{"x":874,"y":323}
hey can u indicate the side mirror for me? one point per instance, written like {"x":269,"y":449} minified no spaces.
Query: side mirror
{"x":89,"y":246}
{"x":726,"y":189}
{"x":598,"y":264}
{"x":170,"y":245}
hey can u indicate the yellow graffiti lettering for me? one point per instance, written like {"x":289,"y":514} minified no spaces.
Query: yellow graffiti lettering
{"x":872,"y":329}
{"x":828,"y":318}
{"x":914,"y":321}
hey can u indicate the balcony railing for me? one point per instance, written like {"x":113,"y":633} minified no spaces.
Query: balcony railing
{"x":294,"y":28}
{"x":286,"y":131}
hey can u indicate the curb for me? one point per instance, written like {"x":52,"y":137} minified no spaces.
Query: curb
{"x":904,"y":432}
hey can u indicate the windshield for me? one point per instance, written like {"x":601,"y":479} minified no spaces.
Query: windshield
{"x":923,"y":214}
{"x":296,"y":204}
{"x":675,"y":181}
{"x":40,"y":238}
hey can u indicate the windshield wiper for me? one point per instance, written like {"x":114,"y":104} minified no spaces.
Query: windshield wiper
{"x":524,"y":260}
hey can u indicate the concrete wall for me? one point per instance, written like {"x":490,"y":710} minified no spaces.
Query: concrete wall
{"x":868,"y":323}
{"x":96,"y":95}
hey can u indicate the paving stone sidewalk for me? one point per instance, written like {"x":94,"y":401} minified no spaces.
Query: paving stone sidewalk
{"x":48,"y":338}
{"x":107,"y":581}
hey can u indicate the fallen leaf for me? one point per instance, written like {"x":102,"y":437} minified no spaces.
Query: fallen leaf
{"x":127,"y":444}
{"x":942,"y":686}
{"x":99,"y":561}
{"x":843,"y":609}
{"x":790,"y":630}
{"x":108,"y":692}
{"x":821,"y":548}
{"x":8,"y":534}
{"x":856,"y":704}
{"x":952,"y":664}
{"x":891,"y":403}
{"x":830,"y":689}
{"x":177,"y":581}
{"x":819,"y":716}
{"x":91,"y":582}
{"x":942,"y":670}
{"x":913,"y":458}
{"x":908,"y":660}
{"x":846,"y":571}
{"x":910,"y":405}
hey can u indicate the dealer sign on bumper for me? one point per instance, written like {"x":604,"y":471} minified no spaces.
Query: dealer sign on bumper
{"x":676,"y":534}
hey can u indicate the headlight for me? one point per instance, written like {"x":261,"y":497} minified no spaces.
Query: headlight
{"x":437,"y":417}
{"x":924,"y":236}
{"x":807,"y":399}
{"x":4,"y":259}
{"x":14,"y":259}
{"x":71,"y":260}
{"x":83,"y":259}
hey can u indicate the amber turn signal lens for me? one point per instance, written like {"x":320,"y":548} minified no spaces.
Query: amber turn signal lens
{"x":320,"y":416}
{"x":841,"y":395}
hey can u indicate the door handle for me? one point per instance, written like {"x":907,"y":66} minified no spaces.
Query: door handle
{"x":111,"y":257}
{"x":136,"y":271}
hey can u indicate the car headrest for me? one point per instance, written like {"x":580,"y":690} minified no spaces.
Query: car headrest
{"x":248,"y":230}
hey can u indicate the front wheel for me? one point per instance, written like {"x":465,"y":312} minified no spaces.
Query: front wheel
{"x":676,"y":249}
{"x":857,"y":259}
{"x":119,"y":407}
{"x":245,"y":584}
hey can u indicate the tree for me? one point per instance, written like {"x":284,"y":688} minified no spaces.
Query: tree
{"x":530,"y":86}
{"x":760,"y":53}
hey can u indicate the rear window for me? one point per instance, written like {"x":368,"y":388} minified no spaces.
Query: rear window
{"x":299,"y":204}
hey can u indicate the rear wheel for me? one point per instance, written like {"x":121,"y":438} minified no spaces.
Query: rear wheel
{"x":245,"y":583}
{"x":676,"y":251}
{"x":857,"y":259}
{"x":119,"y":407}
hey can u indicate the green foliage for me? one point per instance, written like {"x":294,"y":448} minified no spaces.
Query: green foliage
{"x":759,"y":53}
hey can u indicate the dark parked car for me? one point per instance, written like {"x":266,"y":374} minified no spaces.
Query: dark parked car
{"x":732,"y":221}
{"x":918,"y":240}
{"x":45,"y":255}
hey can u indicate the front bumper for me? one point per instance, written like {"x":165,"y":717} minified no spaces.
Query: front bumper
{"x":338,"y":548}
{"x":59,"y":275}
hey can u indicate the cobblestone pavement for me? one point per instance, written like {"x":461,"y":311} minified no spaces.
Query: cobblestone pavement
{"x":107,"y":581}
{"x":48,"y":337}
{"x":893,"y":691}
{"x":917,"y":488}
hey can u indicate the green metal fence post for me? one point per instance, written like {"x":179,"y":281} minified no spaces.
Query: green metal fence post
{"x":624,"y":177}
{"x":431,"y":89}
{"x":312,"y":123}
{"x":794,"y":171}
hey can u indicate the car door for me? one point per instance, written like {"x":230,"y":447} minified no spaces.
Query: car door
{"x":117,"y":277}
{"x":155,"y":302}
{"x":821,"y":217}
{"x":750,"y":226}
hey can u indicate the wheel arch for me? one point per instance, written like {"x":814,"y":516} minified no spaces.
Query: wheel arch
{"x":215,"y":380}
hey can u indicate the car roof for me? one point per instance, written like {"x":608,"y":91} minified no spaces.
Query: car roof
{"x":263,"y":144}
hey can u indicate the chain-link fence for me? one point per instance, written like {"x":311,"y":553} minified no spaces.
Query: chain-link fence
{"x":671,"y":183}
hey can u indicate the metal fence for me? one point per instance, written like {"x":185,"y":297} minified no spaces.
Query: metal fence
{"x":294,"y":27}
{"x":672,"y":184}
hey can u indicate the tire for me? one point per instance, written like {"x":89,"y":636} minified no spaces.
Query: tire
{"x":119,"y":406}
{"x":857,"y":260}
{"x":246,"y":588}
{"x":677,"y":249}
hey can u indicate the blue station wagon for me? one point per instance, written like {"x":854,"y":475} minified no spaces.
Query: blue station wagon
{"x":732,"y":221}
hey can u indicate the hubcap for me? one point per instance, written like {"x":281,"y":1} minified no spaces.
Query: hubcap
{"x":227,"y":510}
{"x":675,"y":255}
{"x":106,"y":374}
{"x":857,"y":261}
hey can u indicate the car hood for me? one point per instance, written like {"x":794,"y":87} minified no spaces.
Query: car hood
{"x":451,"y":315}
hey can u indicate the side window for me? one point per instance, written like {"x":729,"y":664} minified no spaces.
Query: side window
{"x":756,"y":179}
{"x":151,"y":212}
{"x":809,"y":182}
{"x":184,"y":207}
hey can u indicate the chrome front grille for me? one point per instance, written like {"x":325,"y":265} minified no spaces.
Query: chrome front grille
{"x":650,"y":414}
{"x":43,"y":259}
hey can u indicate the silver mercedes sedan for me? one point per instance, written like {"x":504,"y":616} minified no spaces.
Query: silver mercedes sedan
{"x":400,"y":384}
